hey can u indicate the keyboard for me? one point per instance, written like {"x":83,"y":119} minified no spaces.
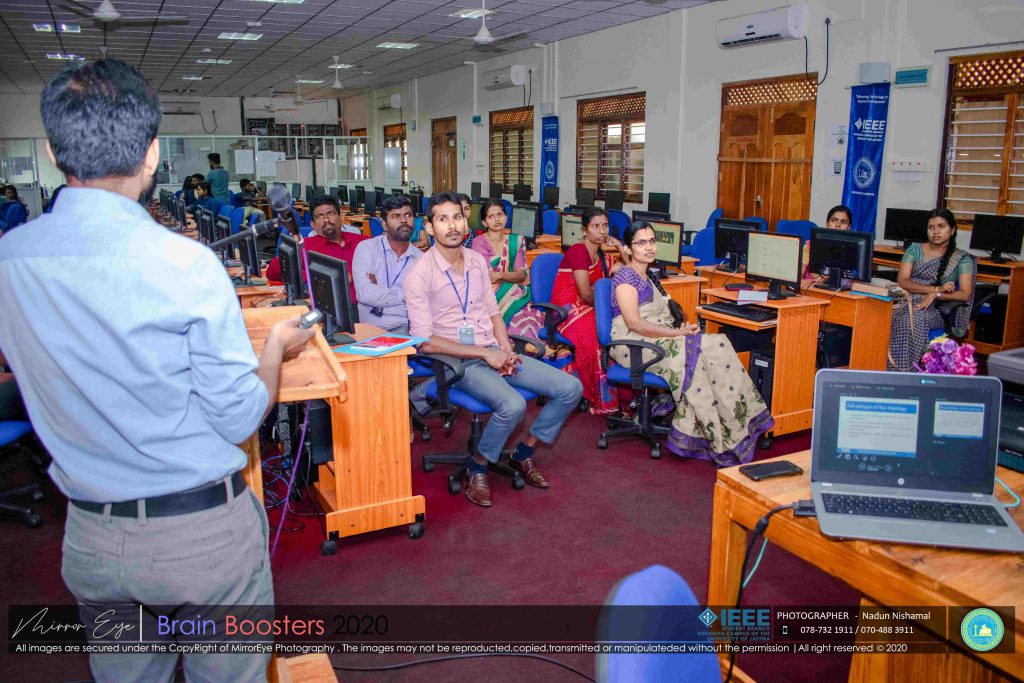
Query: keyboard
{"x":903,"y":508}
{"x":753,"y":313}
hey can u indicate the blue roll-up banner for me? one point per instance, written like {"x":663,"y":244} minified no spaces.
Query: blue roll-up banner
{"x":869,"y":112}
{"x":549,"y":153}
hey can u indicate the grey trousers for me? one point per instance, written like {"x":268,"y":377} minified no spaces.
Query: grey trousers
{"x":214,"y":557}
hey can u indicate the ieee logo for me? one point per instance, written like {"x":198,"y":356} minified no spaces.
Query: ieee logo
{"x":708,"y":617}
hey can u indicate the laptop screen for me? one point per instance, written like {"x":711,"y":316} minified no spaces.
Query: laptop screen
{"x":905,"y":430}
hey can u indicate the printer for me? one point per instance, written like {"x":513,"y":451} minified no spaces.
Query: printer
{"x":1008,"y":366}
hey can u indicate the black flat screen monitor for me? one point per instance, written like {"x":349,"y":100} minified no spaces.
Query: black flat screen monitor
{"x":843,"y":254}
{"x":495,"y":191}
{"x":670,"y":243}
{"x":550,"y":196}
{"x":397,"y":191}
{"x":291,"y":267}
{"x":204,"y":218}
{"x":572,"y":229}
{"x":997,"y":234}
{"x":522,"y":193}
{"x":658,"y":202}
{"x":613,"y":199}
{"x":361,"y":194}
{"x":474,"y":190}
{"x":372,"y":199}
{"x":585,"y":196}
{"x":775,"y":258}
{"x":318,"y":190}
{"x":333,"y":191}
{"x":342,"y":194}
{"x":651,"y":216}
{"x":296,"y":190}
{"x":222,"y":229}
{"x":250,"y":258}
{"x":309,"y":194}
{"x":731,"y":242}
{"x":353,"y":199}
{"x":473,"y":219}
{"x":525,"y":221}
{"x":261,"y":185}
{"x":378,"y":189}
{"x":906,"y":225}
{"x":328,"y":284}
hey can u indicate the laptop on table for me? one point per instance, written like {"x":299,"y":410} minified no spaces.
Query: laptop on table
{"x":909,"y":458}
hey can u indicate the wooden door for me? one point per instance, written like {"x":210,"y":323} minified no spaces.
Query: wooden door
{"x":766,"y":149}
{"x":444,"y":150}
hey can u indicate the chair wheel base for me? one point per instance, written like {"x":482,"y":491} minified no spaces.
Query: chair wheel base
{"x":656,"y":451}
{"x":32,"y":521}
{"x":602,"y":442}
{"x":416,"y":530}
{"x":518,"y":482}
{"x":766,"y":442}
{"x":454,"y":487}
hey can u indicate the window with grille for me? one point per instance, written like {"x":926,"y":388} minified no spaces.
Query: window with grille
{"x":394,"y":136}
{"x":511,"y":142}
{"x":610,"y":137}
{"x":359,"y":156}
{"x":984,"y":145}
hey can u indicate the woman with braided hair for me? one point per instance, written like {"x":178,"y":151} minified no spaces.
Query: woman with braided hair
{"x":718,"y":413}
{"x":931,"y":272}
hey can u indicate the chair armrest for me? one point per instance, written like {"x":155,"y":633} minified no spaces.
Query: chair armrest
{"x":637,"y":366}
{"x":688,"y":236}
{"x":948,"y":308}
{"x":553,"y":317}
{"x":445,"y":374}
{"x":520,"y":344}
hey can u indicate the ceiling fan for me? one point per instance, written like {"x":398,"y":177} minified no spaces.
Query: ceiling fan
{"x":299,"y":100}
{"x":484,"y":39}
{"x":337,"y":79}
{"x":271,"y":109}
{"x":106,"y":16}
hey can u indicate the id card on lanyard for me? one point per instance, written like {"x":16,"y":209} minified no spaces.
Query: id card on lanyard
{"x":465,"y":330}
{"x":377,"y":310}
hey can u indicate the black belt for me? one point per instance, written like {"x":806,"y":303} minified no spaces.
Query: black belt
{"x":183,"y":503}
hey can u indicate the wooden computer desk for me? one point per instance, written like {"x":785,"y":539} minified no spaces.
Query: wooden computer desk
{"x":989,"y":272}
{"x":685,"y":291}
{"x":796,"y":339}
{"x":886,"y":574}
{"x":552,"y":244}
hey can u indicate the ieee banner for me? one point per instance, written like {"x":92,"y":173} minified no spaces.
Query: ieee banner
{"x":549,"y":153}
{"x":869,"y":112}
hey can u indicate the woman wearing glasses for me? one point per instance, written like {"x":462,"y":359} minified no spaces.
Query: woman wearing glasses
{"x":718,"y":414}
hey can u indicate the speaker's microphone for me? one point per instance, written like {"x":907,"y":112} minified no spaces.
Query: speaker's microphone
{"x":281,"y":203}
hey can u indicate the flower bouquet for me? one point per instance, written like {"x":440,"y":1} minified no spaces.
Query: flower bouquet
{"x":946,"y":357}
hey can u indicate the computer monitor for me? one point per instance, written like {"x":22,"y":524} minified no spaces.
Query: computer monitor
{"x":522,"y":193}
{"x":550,"y":196}
{"x":997,"y":234}
{"x":525,"y":221}
{"x":731,"y":242}
{"x":309,"y":194}
{"x":261,"y":185}
{"x":318,"y":190}
{"x":296,"y":190}
{"x":473,"y":219}
{"x":372,"y":199}
{"x":775,"y":258}
{"x":291,"y":267}
{"x":222,"y":229}
{"x":658,"y":202}
{"x":585,"y":196}
{"x":342,"y":194}
{"x":474,"y":190}
{"x":328,"y":284}
{"x":670,"y":243}
{"x":416,"y":199}
{"x":495,"y":191}
{"x":361,"y":194}
{"x":353,"y":198}
{"x":250,"y":258}
{"x":572,"y":229}
{"x":379,"y":189}
{"x":397,"y":191}
{"x":204,"y":221}
{"x":613,"y":199}
{"x":333,"y":191}
{"x":843,"y":254}
{"x":651,"y":216}
{"x":906,"y":225}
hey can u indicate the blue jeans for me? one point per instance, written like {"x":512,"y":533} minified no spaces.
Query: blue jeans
{"x":485,"y":384}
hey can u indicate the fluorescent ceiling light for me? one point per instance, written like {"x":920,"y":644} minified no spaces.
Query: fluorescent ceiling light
{"x":398,"y":46}
{"x":62,"y":28}
{"x":341,"y":66}
{"x":306,"y":81}
{"x":191,"y":78}
{"x":213,"y":61}
{"x":61,"y":57}
{"x":240,"y":36}
{"x":473,"y":13}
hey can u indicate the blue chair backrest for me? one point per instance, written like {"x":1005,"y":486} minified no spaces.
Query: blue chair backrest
{"x":551,"y":222}
{"x":603,"y":310}
{"x":13,"y":214}
{"x":655,"y":586}
{"x":236,"y":218}
{"x":237,"y":199}
{"x":376,"y":227}
{"x":508,"y":212}
{"x":703,"y":247}
{"x":177,"y":195}
{"x":542,"y":277}
{"x":225,"y":209}
{"x":799,"y":228}
{"x":758,"y":219}
{"x":617,"y":223}
{"x":717,"y":213}
{"x":417,"y":226}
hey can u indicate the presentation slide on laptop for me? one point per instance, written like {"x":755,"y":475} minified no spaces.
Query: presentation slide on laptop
{"x":878,"y":426}
{"x":959,"y":420}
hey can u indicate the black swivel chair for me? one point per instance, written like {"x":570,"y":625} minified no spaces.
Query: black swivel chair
{"x":13,"y":436}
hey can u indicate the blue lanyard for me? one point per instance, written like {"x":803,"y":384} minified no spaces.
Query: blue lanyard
{"x":464,"y":304}
{"x":387,"y":272}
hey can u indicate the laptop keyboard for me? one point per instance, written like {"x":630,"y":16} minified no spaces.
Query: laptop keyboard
{"x":903,"y":508}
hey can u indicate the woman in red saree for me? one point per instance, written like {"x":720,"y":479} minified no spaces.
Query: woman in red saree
{"x":582,"y":266}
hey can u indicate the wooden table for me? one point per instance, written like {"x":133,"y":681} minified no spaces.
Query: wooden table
{"x":685,"y":291}
{"x":796,"y":339}
{"x":249,"y":296}
{"x":887,"y":574}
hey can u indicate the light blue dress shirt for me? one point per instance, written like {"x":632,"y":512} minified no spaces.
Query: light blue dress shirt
{"x":129,"y":348}
{"x":387,"y":296}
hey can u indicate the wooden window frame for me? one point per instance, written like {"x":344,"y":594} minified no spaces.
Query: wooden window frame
{"x":625,"y":111}
{"x":502,"y":123}
{"x":396,"y":135}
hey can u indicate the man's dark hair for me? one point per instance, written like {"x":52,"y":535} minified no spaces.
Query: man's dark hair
{"x":214,"y":157}
{"x":243,"y":182}
{"x":100,"y":119}
{"x":199,"y":176}
{"x":442,"y":198}
{"x":205,"y":186}
{"x":324,"y":200}
{"x":394,"y":202}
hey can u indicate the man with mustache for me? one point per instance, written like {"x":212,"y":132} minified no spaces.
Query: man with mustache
{"x":450,"y":302}
{"x":380,"y":265}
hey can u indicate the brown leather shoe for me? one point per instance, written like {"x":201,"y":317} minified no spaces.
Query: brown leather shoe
{"x":477,"y":490}
{"x":531,"y":473}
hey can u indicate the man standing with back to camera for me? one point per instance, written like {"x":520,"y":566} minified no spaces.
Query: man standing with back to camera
{"x":130,"y":350}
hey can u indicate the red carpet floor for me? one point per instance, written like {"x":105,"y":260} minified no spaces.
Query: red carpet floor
{"x":608,"y":513}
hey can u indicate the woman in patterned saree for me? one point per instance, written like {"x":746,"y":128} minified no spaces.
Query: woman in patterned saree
{"x":582,"y":266}
{"x":930,"y":272}
{"x":506,"y":255}
{"x":718,"y":414}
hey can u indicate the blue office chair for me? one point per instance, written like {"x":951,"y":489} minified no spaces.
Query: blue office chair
{"x":13,"y":214}
{"x":654,"y":587}
{"x":703,"y":247}
{"x":542,"y":281}
{"x":801,"y":229}
{"x":635,"y":375}
{"x":237,"y":216}
{"x":177,"y":195}
{"x":225,"y":210}
{"x":552,"y":220}
{"x":376,"y":226}
{"x":508,"y":212}
{"x":12,"y":435}
{"x":717,"y":213}
{"x":417,"y":223}
{"x":237,"y":199}
{"x":758,"y":219}
{"x":618,"y":221}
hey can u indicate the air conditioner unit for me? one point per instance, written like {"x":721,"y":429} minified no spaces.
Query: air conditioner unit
{"x":509,"y":77}
{"x":392,"y":101}
{"x":180,"y":108}
{"x":781,"y":23}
